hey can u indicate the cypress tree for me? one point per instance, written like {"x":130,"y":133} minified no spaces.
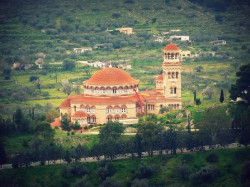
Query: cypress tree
{"x":194,"y":95}
{"x":221,"y":96}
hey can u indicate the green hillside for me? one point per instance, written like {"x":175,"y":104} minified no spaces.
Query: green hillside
{"x":155,"y":171}
{"x":53,"y":28}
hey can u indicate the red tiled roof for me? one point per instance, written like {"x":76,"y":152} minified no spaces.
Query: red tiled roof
{"x":111,"y":76}
{"x":159,"y":78}
{"x":55,"y":124}
{"x":171,"y":47}
{"x":65,"y":103}
{"x":79,"y":114}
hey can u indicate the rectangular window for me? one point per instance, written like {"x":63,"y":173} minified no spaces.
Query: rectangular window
{"x":88,"y":110}
{"x":109,"y":110}
{"x":151,"y":107}
{"x":123,"y":110}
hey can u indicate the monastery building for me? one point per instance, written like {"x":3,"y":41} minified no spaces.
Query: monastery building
{"x":111,"y":94}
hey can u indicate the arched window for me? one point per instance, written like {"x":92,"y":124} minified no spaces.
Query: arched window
{"x":93,"y":110}
{"x":114,"y":90}
{"x":88,"y":109}
{"x":109,"y":118}
{"x":169,"y":75}
{"x":173,"y":75}
{"x":116,"y":109}
{"x":172,"y":55}
{"x":125,"y":89}
{"x":102,"y":90}
{"x":124,"y":109}
{"x":82,"y":108}
{"x":109,"y":110}
{"x":93,"y":119}
{"x":88,"y":119}
{"x":177,"y":74}
{"x":171,"y":90}
{"x":117,"y":117}
{"x":96,"y":90}
{"x":108,"y":90}
{"x":168,"y":55}
{"x":174,"y":90}
{"x":75,"y":108}
{"x":120,"y":89}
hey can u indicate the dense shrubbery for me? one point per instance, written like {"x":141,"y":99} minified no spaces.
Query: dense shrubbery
{"x":212,"y":158}
{"x":204,"y":175}
{"x":74,"y":169}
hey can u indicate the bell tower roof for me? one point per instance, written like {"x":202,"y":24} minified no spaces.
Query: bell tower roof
{"x":171,"y":47}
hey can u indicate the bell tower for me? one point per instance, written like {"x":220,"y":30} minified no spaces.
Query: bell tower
{"x":171,"y":72}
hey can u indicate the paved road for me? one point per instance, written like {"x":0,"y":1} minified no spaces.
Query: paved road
{"x":97,"y":132}
{"x":129,"y":155}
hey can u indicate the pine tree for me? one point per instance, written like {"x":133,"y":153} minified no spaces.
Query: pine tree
{"x":221,"y":96}
{"x":65,"y":123}
{"x":194,"y":95}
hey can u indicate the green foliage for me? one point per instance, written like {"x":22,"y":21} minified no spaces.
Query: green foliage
{"x":212,"y":158}
{"x":183,"y":171}
{"x":245,"y":173}
{"x":76,"y":126}
{"x":74,"y":169}
{"x":204,"y":175}
{"x":198,"y":68}
{"x":197,"y":101}
{"x":140,"y":183}
{"x":7,"y":73}
{"x":215,"y":126}
{"x":241,"y":88}
{"x":68,"y":65}
{"x":33,"y":78}
{"x":44,"y":132}
{"x":111,"y":182}
{"x":163,"y":109}
{"x":149,"y":133}
{"x":3,"y":157}
{"x":51,"y":175}
{"x":111,"y":130}
{"x":144,"y":171}
{"x":221,"y":96}
{"x":83,"y":182}
{"x":65,"y":123}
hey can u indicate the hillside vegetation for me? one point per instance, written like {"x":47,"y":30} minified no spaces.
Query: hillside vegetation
{"x":223,"y":167}
{"x":51,"y":29}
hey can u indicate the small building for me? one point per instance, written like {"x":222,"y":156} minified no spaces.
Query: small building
{"x":39,"y":62}
{"x":219,"y":42}
{"x":103,"y":46}
{"x":82,"y":50}
{"x":125,"y":66}
{"x":159,"y":39}
{"x":182,"y":38}
{"x":98,"y":64}
{"x":127,"y":31}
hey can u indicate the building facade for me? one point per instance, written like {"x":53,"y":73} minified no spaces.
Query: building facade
{"x":111,"y":94}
